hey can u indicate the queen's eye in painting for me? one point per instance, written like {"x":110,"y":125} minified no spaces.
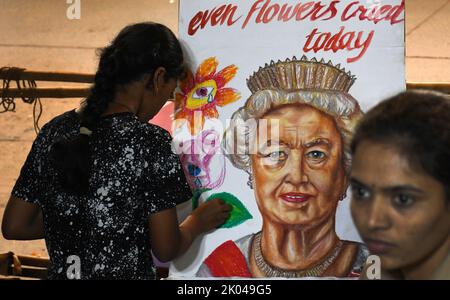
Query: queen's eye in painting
{"x":274,"y":157}
{"x":316,"y":156}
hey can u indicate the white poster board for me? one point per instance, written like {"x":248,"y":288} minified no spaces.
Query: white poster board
{"x":236,"y":49}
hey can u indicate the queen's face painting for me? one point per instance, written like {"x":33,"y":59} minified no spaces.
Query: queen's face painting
{"x":299,"y":177}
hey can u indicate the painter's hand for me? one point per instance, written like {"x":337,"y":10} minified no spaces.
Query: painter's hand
{"x":210,"y":215}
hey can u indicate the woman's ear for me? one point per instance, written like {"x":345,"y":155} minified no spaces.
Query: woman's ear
{"x":159,"y":79}
{"x":147,"y":80}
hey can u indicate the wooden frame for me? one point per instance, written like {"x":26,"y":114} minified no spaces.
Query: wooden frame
{"x":70,"y":92}
{"x":14,"y":266}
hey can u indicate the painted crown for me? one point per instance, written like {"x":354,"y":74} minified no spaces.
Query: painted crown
{"x":301,"y":74}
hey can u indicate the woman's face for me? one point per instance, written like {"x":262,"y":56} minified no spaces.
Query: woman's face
{"x":299,"y":179}
{"x":399,"y":210}
{"x":156,"y":97}
{"x":164,"y":93}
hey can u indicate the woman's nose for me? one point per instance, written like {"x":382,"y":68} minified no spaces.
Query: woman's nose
{"x":295,"y":169}
{"x":378,"y":214}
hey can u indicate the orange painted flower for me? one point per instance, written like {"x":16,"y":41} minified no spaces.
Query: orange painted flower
{"x":201,"y":94}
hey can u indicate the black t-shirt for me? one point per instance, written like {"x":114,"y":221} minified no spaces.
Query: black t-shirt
{"x":134,"y":174}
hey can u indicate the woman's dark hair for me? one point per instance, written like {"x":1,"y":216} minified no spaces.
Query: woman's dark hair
{"x":417,"y":123}
{"x":137,"y":50}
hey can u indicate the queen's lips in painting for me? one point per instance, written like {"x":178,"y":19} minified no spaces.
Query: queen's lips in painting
{"x":295,"y":197}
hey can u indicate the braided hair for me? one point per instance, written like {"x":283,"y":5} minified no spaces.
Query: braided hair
{"x":138,"y":49}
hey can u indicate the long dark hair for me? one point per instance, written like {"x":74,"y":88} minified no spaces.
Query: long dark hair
{"x":137,"y":50}
{"x":417,"y":123}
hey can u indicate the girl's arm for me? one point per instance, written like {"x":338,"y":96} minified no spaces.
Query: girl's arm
{"x":22,"y":220}
{"x":170,"y":240}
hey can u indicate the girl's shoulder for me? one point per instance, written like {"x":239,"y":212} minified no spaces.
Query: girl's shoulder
{"x":62,"y":126}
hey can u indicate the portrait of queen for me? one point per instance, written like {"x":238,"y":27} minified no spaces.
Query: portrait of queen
{"x":298,"y":170}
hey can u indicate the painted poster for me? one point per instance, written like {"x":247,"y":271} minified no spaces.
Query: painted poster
{"x":264,"y":121}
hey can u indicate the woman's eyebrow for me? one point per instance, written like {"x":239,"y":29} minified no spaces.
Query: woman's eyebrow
{"x":320,"y":141}
{"x":389,"y":189}
{"x":402,"y":188}
{"x":356,"y":182}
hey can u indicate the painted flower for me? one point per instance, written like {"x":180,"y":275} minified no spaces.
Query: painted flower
{"x":200,"y":94}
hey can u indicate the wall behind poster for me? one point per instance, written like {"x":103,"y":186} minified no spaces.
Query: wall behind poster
{"x":364,"y":37}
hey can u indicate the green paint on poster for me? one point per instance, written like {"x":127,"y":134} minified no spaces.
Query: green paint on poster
{"x":239,"y":213}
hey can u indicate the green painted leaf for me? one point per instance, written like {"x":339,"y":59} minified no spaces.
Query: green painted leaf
{"x":239,"y":213}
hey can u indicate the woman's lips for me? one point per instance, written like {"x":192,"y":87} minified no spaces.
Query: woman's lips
{"x":378,"y":247}
{"x":295,"y":197}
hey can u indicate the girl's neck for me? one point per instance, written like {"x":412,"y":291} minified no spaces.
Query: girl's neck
{"x":126,"y":99}
{"x":118,"y":107}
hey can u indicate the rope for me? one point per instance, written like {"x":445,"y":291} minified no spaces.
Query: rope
{"x":8,"y":104}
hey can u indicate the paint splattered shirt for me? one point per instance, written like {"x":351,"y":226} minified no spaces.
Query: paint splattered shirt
{"x":135,"y":173}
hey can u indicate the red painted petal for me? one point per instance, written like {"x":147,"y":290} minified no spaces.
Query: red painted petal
{"x":179,"y":100}
{"x":226,"y":96}
{"x":187,"y":84}
{"x":211,"y":113}
{"x":206,"y":70}
{"x":227,"y":260}
{"x":224,"y":76}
